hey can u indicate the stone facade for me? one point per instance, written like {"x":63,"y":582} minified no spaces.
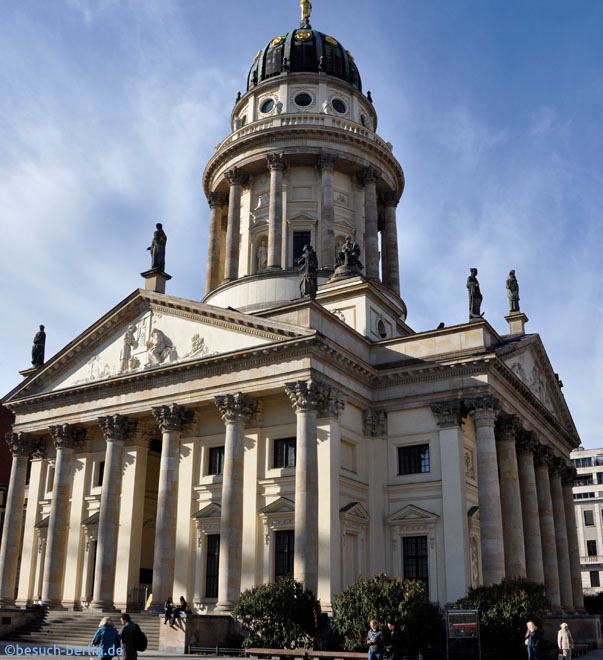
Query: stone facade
{"x":204,"y":447}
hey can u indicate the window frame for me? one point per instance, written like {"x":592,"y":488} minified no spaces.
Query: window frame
{"x":411,"y":461}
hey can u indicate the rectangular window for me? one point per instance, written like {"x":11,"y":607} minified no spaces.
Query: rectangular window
{"x":100,"y":474}
{"x":215,"y":463}
{"x":591,"y":548}
{"x":284,"y":544}
{"x":595,"y":580}
{"x":212,"y":564}
{"x":300,"y":238}
{"x":413,"y":460}
{"x":415,"y":560}
{"x":588,"y":518}
{"x":284,"y":452}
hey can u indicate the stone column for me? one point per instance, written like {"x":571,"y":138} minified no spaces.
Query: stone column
{"x":66,"y":438}
{"x":448,"y":415}
{"x":212,"y":274}
{"x":21,"y":446}
{"x":310,"y":399}
{"x":567,"y":482}
{"x":172,"y":420}
{"x":542,"y":459}
{"x":369,"y":177}
{"x":116,"y":429}
{"x":526,"y":445}
{"x":276,"y":165}
{"x":326,"y":166}
{"x":510,"y":496}
{"x":484,"y":411}
{"x":236,"y":178}
{"x":389,"y":243}
{"x":561,"y":535}
{"x":236,"y":410}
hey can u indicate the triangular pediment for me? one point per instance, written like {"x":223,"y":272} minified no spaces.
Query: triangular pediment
{"x":354,"y":510}
{"x":412,"y":514}
{"x":280,"y":505}
{"x":212,"y":510}
{"x":150,"y":331}
{"x":528,"y":361}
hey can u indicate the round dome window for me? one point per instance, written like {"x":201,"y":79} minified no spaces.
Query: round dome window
{"x":303,"y":99}
{"x":267,"y":106}
{"x":338,"y":105}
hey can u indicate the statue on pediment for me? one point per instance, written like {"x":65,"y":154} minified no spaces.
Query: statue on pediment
{"x":157,"y":248}
{"x":513,"y":292}
{"x":37,"y":350}
{"x":475,"y":295}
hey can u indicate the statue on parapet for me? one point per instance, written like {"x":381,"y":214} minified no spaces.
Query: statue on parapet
{"x":306,"y":10}
{"x":157,"y":248}
{"x":37,"y":350}
{"x":308,"y":271}
{"x":513,"y":292}
{"x":475,"y":296}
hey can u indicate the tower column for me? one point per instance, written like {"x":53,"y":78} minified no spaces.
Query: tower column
{"x":172,"y":420}
{"x":368,"y":177}
{"x":484,"y":414}
{"x":326,"y":167}
{"x":236,"y":411}
{"x":567,"y":482}
{"x":66,"y":438}
{"x":561,"y":536}
{"x":276,"y":165}
{"x":212,"y":274}
{"x":510,"y":497}
{"x":115,"y":428}
{"x":526,"y":444}
{"x":391,"y":265}
{"x":21,"y":446}
{"x":236,"y":178}
{"x":547,"y":526}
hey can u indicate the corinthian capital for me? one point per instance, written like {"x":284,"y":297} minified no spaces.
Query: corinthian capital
{"x":22,"y":444}
{"x":483,"y":409}
{"x":117,"y":427}
{"x":369,"y":175}
{"x":326,"y":162}
{"x":216,"y":200}
{"x":276,"y":161}
{"x":316,"y":395}
{"x":173,"y":417}
{"x":67,"y":436}
{"x":448,"y":414}
{"x":236,"y":176}
{"x":508,"y":428}
{"x":237,"y":407}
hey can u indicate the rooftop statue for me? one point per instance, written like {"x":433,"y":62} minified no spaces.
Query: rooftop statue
{"x":306,"y":10}
{"x":157,"y":248}
{"x":513,"y":292}
{"x":475,"y":296}
{"x":37,"y":350}
{"x":308,"y":270}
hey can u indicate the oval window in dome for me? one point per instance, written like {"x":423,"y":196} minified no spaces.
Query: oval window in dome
{"x":303,"y":99}
{"x":267,"y":106}
{"x":338,"y":105}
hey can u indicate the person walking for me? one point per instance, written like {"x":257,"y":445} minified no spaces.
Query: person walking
{"x":107,"y":639}
{"x":128,"y":637}
{"x":532,"y":640}
{"x":374,"y":640}
{"x":565,"y":641}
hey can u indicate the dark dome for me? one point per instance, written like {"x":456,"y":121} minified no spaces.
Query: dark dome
{"x":304,"y":50}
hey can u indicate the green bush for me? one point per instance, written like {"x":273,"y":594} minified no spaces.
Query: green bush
{"x":279,"y":615}
{"x":383,"y":598}
{"x":504,"y":610}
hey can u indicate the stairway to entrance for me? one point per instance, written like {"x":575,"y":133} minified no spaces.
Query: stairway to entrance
{"x":75,"y":629}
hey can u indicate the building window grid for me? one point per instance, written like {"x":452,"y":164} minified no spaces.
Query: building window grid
{"x":591,"y":548}
{"x":413,"y":459}
{"x":284,"y":545}
{"x":284,"y":452}
{"x":212,"y":564}
{"x":415,"y":559}
{"x":215,"y":461}
{"x":589,"y":519}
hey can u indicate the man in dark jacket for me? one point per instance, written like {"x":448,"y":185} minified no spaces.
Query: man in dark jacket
{"x":127,"y":636}
{"x":392,"y":641}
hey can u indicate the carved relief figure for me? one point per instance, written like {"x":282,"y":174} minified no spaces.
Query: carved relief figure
{"x":262,"y":256}
{"x":126,"y":351}
{"x":159,"y":348}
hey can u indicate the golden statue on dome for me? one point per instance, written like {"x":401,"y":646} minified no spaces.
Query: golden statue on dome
{"x":306,"y":10}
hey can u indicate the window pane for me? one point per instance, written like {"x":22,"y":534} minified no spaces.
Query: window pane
{"x":591,"y":548}
{"x":413,"y":460}
{"x":415,"y":562}
{"x":595,"y":580}
{"x":284,"y":452}
{"x":212,"y":563}
{"x":588,"y":517}
{"x":283,"y":552}
{"x":216,"y":460}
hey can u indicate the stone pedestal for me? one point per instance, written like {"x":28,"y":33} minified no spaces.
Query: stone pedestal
{"x":155,"y":280}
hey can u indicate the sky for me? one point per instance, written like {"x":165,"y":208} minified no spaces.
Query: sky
{"x":110,"y":109}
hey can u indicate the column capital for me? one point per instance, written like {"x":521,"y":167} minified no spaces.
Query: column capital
{"x":67,"y":436}
{"x":117,"y":427}
{"x":543,"y":456}
{"x":237,"y":407}
{"x":216,"y":200}
{"x":568,"y":475}
{"x":483,"y":409}
{"x":173,"y":417}
{"x":22,"y":444}
{"x":507,"y":428}
{"x":276,"y":161}
{"x":326,"y":162}
{"x":313,"y":394}
{"x":527,"y":441}
{"x":369,"y":175}
{"x":375,"y":422}
{"x":448,"y":414}
{"x":390,"y":198}
{"x":235,"y":176}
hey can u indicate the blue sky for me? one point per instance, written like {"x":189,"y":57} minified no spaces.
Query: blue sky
{"x":110,"y":109}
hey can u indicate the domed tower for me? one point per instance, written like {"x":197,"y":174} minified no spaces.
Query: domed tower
{"x":302,"y":165}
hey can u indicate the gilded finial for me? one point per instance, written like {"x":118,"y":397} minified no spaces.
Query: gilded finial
{"x":306,"y":10}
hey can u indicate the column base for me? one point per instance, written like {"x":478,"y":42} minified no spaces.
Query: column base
{"x":103,"y":606}
{"x":226,"y":606}
{"x":7,"y":603}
